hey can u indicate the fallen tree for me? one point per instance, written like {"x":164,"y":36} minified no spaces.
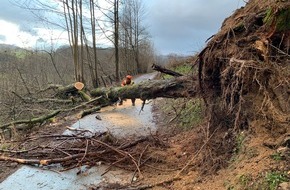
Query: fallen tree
{"x":150,"y":89}
{"x":32,"y":121}
{"x":69,"y":90}
{"x":38,"y":120}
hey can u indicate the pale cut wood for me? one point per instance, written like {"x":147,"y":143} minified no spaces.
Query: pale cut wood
{"x":79,"y":85}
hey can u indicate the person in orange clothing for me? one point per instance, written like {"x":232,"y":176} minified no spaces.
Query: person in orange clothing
{"x":128,"y":81}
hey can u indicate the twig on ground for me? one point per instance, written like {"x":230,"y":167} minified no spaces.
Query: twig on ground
{"x":139,"y":162}
{"x":86,"y":151}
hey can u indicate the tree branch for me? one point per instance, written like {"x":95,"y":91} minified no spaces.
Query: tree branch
{"x":166,"y":71}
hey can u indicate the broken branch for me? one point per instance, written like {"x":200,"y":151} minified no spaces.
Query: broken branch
{"x":166,"y":71}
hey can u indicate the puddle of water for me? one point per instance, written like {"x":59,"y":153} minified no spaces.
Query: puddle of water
{"x":31,"y":178}
{"x":120,"y":121}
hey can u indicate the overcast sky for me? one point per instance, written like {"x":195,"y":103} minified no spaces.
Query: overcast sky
{"x":182,"y":26}
{"x":175,"y":26}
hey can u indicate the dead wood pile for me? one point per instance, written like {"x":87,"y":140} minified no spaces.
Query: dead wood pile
{"x":78,"y":149}
{"x":38,"y":106}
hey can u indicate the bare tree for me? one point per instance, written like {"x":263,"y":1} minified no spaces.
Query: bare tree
{"x":93,"y":29}
{"x":135,"y":34}
{"x":116,"y":37}
{"x":79,"y":28}
{"x":72,"y":24}
{"x":82,"y":26}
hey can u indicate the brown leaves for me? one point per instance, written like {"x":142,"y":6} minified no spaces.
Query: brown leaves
{"x":262,"y":46}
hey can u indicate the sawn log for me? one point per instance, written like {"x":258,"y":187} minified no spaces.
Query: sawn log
{"x":170,"y":88}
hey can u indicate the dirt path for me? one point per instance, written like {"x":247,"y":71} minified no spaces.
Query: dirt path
{"x":121,"y":121}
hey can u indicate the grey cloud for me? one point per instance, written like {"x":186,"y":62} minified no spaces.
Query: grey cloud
{"x":28,"y":29}
{"x":183,"y":26}
{"x":41,"y":40}
{"x":176,"y":26}
{"x":12,"y":12}
{"x":16,"y":11}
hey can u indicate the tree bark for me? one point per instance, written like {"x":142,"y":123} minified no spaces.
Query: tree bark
{"x":116,"y":38}
{"x":72,"y":89}
{"x":41,"y":119}
{"x":32,"y":121}
{"x":151,"y":89}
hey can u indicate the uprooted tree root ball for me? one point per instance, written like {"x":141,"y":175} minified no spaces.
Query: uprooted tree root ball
{"x":244,"y":74}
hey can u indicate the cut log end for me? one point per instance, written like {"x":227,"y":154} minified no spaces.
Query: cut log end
{"x":79,"y":85}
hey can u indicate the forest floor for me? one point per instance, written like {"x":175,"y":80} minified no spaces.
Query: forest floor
{"x":253,"y":160}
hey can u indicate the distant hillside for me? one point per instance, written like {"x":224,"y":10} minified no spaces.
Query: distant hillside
{"x":12,"y":50}
{"x":4,"y":47}
{"x":63,"y":60}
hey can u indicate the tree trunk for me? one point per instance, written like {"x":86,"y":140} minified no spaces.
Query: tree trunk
{"x":116,"y":38}
{"x":151,"y":89}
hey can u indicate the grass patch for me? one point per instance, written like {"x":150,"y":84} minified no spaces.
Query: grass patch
{"x":273,"y":179}
{"x":245,"y":180}
{"x":239,"y":147}
{"x":20,"y":54}
{"x":266,"y":181}
{"x":277,"y":156}
{"x":280,"y":19}
{"x":187,"y":113}
{"x":184,"y":69}
{"x":240,"y":142}
{"x":228,"y":185}
{"x":191,"y":115}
